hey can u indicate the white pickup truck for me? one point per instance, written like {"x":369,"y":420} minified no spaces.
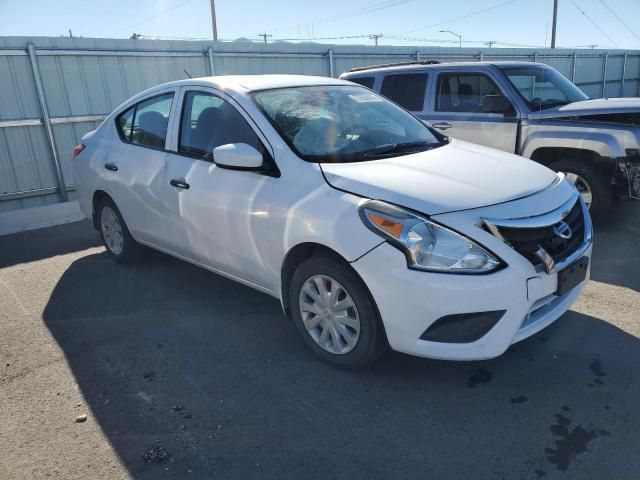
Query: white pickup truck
{"x":525,"y":108}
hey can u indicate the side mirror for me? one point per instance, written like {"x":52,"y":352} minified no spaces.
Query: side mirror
{"x":237,"y":156}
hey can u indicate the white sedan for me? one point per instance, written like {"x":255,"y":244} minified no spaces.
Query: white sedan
{"x":372,"y":229}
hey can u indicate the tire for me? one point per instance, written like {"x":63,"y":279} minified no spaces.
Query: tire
{"x":370,"y":342}
{"x":601,"y":191}
{"x":115,"y":234}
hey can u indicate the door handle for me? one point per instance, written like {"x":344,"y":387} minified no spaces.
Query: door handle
{"x":441,"y":125}
{"x":179,"y":184}
{"x":110,"y":166}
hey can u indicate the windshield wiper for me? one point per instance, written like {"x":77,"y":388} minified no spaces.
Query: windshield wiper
{"x":396,"y":148}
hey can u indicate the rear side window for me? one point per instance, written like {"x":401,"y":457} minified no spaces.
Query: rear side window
{"x":124,"y":124}
{"x":146,"y":122}
{"x":209,"y":121}
{"x":407,"y":90}
{"x":364,"y":81}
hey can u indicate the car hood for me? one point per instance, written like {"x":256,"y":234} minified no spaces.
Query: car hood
{"x":599,"y":106}
{"x":457,"y":176}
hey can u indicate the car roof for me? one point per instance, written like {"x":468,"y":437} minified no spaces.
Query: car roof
{"x":417,"y":66}
{"x":255,"y":82}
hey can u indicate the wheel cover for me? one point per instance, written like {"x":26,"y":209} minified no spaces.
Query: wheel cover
{"x":329,"y":314}
{"x":582,"y":186}
{"x":111,"y":230}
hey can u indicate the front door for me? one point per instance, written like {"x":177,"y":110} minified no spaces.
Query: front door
{"x":470,"y":106}
{"x":217,"y":217}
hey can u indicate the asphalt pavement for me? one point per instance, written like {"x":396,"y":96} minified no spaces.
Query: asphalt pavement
{"x":184,"y":374}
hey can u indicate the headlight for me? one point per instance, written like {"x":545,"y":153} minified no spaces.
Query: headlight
{"x":426,"y":244}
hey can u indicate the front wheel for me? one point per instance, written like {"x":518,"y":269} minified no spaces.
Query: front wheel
{"x":335,"y":313}
{"x":590,"y":183}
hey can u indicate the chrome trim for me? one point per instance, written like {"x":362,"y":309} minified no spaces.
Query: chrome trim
{"x":540,"y":221}
{"x":586,"y":244}
{"x":547,"y":220}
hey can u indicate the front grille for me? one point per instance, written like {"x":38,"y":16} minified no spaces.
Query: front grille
{"x":526,"y":241}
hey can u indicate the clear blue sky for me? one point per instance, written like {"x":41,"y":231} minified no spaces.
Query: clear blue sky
{"x":403,"y":22}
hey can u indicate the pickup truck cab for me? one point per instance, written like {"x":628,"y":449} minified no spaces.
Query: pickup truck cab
{"x":525,"y":108}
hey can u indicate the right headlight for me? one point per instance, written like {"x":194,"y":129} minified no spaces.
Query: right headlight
{"x":426,"y":244}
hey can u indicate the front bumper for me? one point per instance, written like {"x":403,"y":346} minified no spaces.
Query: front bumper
{"x":410,"y":301}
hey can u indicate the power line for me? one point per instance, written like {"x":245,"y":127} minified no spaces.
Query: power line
{"x":361,"y":11}
{"x":594,"y":23}
{"x":477,"y":12}
{"x":620,"y":19}
{"x":162,"y":12}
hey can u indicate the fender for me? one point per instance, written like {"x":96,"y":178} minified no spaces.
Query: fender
{"x":608,"y":143}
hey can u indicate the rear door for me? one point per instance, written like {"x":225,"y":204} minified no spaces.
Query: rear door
{"x":471,"y":106}
{"x":133,"y":167}
{"x":216,"y":216}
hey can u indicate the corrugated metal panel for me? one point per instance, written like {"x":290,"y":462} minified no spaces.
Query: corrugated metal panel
{"x":84,"y":76}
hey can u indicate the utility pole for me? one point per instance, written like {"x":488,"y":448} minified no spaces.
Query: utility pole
{"x":375,"y":37}
{"x":553,"y":25}
{"x":490,"y":43}
{"x":264,"y":36}
{"x":214,"y":26}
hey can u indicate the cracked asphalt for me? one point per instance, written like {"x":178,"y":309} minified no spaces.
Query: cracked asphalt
{"x":184,"y":374}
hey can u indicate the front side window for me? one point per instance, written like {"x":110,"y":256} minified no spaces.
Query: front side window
{"x":341,"y":123}
{"x":470,"y":93}
{"x":209,"y":121}
{"x":146,"y":122}
{"x":543,"y":87}
{"x":407,"y":90}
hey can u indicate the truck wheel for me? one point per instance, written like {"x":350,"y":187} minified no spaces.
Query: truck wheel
{"x":590,"y":182}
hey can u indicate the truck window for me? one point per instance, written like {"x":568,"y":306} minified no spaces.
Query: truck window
{"x":364,"y":81}
{"x":468,"y":92}
{"x":407,"y":90}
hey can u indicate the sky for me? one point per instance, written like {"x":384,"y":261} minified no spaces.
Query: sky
{"x":605,"y":23}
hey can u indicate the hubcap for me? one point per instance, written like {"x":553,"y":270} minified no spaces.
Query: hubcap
{"x":329,"y":314}
{"x":582,"y":186}
{"x":111,"y":230}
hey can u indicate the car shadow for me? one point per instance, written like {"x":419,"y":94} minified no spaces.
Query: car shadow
{"x":25,"y":247}
{"x":192,"y":375}
{"x":616,"y":255}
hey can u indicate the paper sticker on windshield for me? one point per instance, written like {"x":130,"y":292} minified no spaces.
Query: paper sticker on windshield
{"x":366,"y":97}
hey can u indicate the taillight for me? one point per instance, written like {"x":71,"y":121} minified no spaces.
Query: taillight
{"x":77,"y":150}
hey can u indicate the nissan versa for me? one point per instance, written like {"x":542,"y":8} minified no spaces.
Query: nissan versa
{"x":372,"y":229}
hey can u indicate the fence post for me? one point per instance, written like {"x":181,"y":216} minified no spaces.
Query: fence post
{"x":212,"y":68}
{"x":624,"y":71}
{"x":604,"y":74}
{"x":573,"y":67}
{"x":332,"y":69}
{"x":481,"y":56}
{"x":62,"y":188}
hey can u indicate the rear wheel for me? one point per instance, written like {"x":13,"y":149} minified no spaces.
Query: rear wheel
{"x":590,"y":183}
{"x":335,"y":314}
{"x":114,"y":232}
